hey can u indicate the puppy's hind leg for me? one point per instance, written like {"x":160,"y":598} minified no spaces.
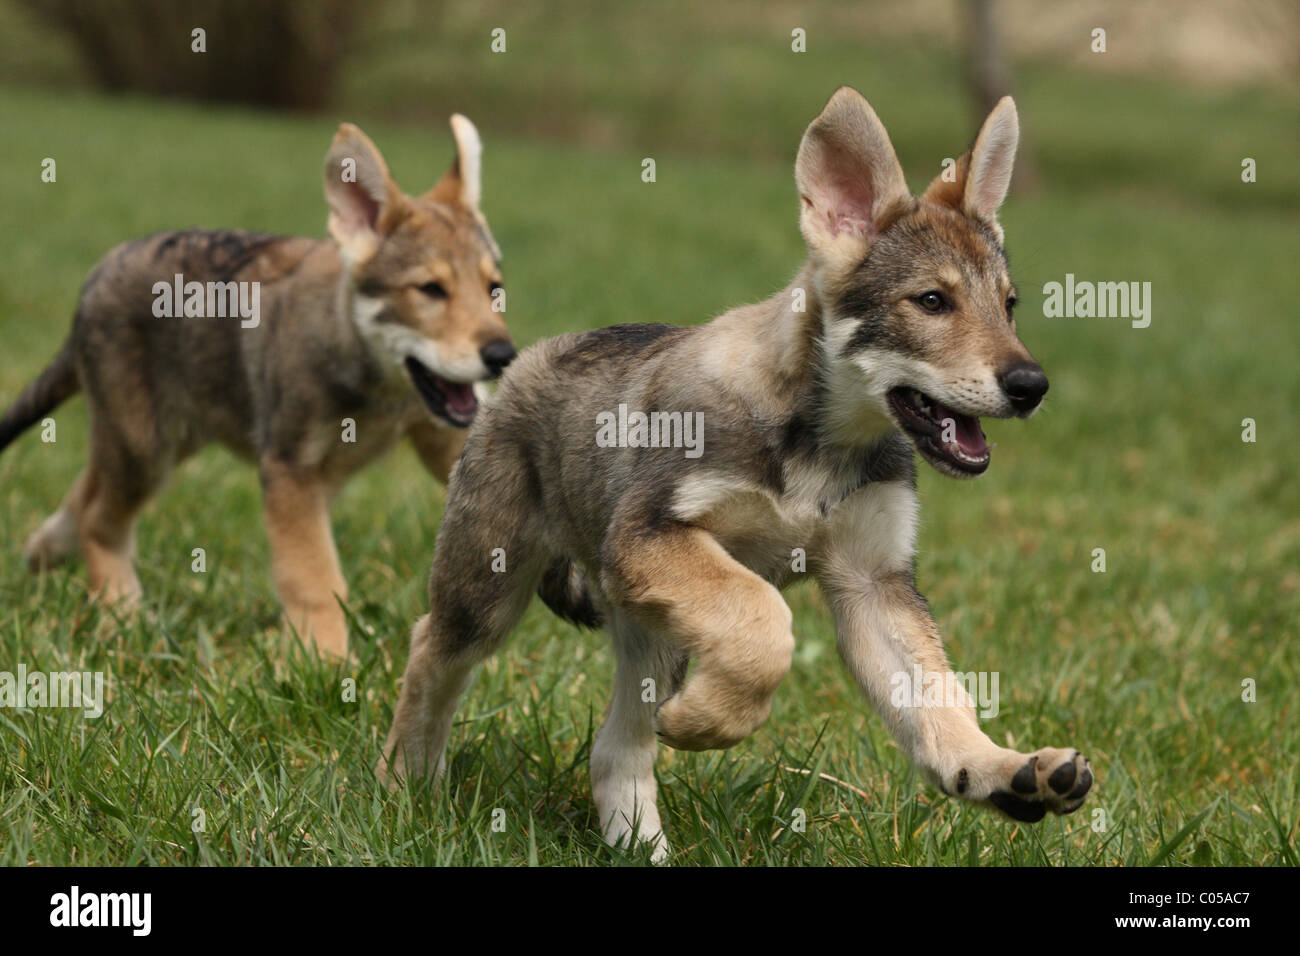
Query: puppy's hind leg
{"x":487,"y":564}
{"x":623,"y":754}
{"x":125,"y":469}
{"x":55,"y":541}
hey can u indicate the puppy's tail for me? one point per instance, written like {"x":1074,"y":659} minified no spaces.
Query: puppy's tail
{"x":54,"y":385}
{"x":564,"y":590}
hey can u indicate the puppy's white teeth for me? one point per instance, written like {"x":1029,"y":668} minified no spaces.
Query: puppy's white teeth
{"x":958,"y":452}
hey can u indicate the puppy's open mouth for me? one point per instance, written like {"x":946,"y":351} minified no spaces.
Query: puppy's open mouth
{"x":950,"y":441}
{"x":453,"y":402}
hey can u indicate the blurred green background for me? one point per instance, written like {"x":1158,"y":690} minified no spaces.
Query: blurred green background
{"x":1137,"y":155}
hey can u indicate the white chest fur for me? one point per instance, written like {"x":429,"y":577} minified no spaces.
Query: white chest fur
{"x":873,"y":529}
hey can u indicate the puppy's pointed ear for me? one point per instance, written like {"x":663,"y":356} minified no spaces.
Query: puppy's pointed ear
{"x":850,"y":183}
{"x":983,"y":175}
{"x":463,"y":183}
{"x":991,"y":160}
{"x":365,"y":204}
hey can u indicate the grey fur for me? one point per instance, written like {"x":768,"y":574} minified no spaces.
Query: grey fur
{"x":805,"y":466}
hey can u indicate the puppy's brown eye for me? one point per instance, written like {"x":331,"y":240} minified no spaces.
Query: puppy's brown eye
{"x":493,"y":288}
{"x":932,"y":301}
{"x":434,"y":290}
{"x":1011,"y":303}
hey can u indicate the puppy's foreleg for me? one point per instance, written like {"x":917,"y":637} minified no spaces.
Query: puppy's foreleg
{"x":683,"y":584}
{"x":892,"y":647}
{"x":438,"y":447}
{"x":304,"y":562}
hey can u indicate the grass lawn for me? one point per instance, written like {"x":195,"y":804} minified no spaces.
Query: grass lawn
{"x":1138,"y":452}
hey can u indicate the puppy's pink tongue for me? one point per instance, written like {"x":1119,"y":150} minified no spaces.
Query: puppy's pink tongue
{"x":460,"y":398}
{"x":966,"y":429}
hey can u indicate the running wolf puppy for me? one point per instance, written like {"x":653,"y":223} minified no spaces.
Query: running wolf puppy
{"x":310,"y":357}
{"x":896,"y":334}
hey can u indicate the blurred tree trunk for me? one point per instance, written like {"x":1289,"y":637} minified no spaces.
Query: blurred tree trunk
{"x":276,"y":53}
{"x":990,"y":80}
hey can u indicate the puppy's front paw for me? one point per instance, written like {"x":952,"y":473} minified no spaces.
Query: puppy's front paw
{"x":1050,"y":779}
{"x":327,"y":630}
{"x":397,"y":766}
{"x":691,"y":720}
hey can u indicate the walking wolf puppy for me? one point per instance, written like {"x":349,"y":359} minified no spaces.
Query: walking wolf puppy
{"x":896,"y":334}
{"x":276,"y":346}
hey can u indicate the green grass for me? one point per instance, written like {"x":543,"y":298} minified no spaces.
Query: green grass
{"x":1138,"y":452}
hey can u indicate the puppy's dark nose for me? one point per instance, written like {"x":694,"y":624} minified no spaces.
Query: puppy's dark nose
{"x":1025,"y":386}
{"x":496,"y":355}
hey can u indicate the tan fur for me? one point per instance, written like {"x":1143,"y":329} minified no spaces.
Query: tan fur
{"x":805,"y":452}
{"x":685,"y":586}
{"x":330,"y":355}
{"x":437,"y":447}
{"x":305,"y":564}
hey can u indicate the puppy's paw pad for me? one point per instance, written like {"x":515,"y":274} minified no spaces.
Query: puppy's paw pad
{"x":1063,"y":777}
{"x":1050,"y":779}
{"x":1018,"y":808}
{"x":1026,"y":778}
